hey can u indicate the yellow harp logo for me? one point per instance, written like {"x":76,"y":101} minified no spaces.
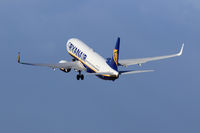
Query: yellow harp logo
{"x":115,"y":56}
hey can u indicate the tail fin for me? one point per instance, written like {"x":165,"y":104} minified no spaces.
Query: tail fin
{"x":115,"y":57}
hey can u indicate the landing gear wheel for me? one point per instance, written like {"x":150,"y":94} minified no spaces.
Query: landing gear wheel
{"x":78,"y":77}
{"x":82,"y":77}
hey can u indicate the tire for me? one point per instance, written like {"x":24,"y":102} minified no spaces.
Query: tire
{"x":78,"y":77}
{"x":82,"y":77}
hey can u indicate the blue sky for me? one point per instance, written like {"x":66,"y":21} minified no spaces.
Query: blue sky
{"x":35,"y":99}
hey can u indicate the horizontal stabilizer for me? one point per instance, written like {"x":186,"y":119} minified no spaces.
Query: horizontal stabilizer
{"x":100,"y":73}
{"x":134,"y":71}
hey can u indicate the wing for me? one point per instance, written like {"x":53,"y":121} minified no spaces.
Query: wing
{"x":74,"y":65}
{"x":128,"y":62}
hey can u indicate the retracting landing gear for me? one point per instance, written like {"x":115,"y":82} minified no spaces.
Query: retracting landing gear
{"x":80,"y":76}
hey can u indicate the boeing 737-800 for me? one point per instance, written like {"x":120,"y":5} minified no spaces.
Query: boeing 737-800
{"x":86,"y":59}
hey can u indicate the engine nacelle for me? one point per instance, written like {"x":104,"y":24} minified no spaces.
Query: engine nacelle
{"x":63,"y":61}
{"x":63,"y":69}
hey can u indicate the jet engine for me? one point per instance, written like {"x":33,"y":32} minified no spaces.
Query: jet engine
{"x":64,"y":69}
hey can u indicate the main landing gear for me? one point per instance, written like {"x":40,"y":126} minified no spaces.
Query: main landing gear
{"x":80,"y":76}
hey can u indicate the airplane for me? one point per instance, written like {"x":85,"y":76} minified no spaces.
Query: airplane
{"x":86,"y":59}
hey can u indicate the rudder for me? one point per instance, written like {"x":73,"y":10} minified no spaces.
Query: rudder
{"x":115,"y":57}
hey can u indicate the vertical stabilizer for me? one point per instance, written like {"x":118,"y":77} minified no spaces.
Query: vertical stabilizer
{"x":115,"y":57}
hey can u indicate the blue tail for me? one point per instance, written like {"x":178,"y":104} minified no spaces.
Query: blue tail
{"x":115,"y":57}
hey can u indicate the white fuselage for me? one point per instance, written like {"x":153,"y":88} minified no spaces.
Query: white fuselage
{"x":92,"y":61}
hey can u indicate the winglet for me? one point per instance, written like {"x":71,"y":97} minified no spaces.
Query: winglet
{"x":18,"y":59}
{"x":181,"y":51}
